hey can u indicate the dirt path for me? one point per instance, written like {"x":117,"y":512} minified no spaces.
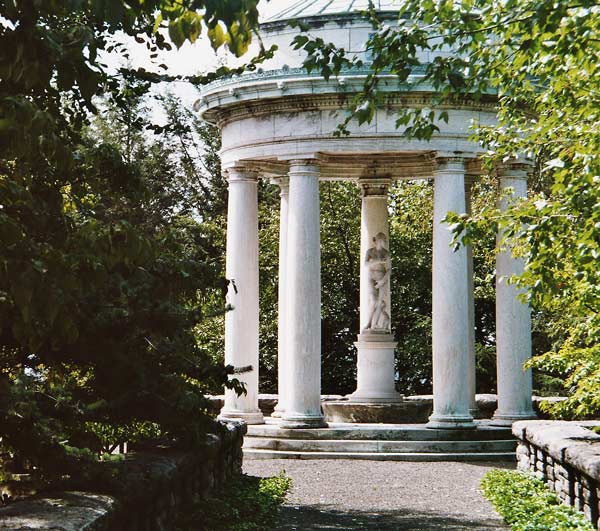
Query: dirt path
{"x":383,"y":496}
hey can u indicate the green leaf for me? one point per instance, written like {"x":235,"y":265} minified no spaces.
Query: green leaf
{"x":176,"y":33}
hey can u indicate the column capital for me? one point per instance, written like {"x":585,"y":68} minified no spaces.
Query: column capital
{"x":450,"y":162}
{"x":283,"y":183}
{"x":240,"y":174}
{"x":515,"y":169}
{"x":374,"y":187}
{"x":304,"y":166}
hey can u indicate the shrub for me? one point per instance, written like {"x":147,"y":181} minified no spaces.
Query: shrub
{"x":526,"y":503}
{"x":248,"y":504}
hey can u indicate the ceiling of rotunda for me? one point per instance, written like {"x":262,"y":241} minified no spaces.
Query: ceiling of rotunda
{"x":286,"y":9}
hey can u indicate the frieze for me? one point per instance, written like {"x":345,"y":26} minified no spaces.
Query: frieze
{"x":331,"y":102}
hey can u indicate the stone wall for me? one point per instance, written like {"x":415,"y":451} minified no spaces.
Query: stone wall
{"x":566,"y":455}
{"x":153,"y":487}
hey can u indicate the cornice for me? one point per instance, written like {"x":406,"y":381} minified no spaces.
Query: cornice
{"x":224,"y":97}
{"x":258,"y":75}
{"x":288,"y":72}
{"x":315,"y":21}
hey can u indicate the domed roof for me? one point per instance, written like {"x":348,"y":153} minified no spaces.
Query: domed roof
{"x":273,"y":11}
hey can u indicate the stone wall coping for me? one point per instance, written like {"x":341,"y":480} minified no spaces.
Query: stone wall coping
{"x":566,"y":441}
{"x":64,"y":511}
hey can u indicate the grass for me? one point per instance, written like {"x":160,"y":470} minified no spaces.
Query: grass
{"x":527,"y":504}
{"x":247,"y":503}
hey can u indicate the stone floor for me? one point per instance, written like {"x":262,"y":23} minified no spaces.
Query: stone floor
{"x":383,"y":496}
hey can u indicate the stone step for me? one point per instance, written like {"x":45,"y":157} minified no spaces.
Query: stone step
{"x":250,"y":453}
{"x":378,"y":446}
{"x":381,"y":432}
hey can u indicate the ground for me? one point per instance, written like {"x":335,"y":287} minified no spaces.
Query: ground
{"x":355,"y":495}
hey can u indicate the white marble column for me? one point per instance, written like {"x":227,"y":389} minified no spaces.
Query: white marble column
{"x":241,"y":323}
{"x":282,"y":364}
{"x":451,"y":398}
{"x":303,"y":317}
{"x":513,"y":320}
{"x":375,"y":345}
{"x":471,"y":377}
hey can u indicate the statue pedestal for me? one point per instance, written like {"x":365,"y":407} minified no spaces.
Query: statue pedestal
{"x":375,"y":369}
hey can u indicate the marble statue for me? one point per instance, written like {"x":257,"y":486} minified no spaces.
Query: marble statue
{"x":377,"y":262}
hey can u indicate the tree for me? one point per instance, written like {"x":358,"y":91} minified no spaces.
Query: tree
{"x":102,"y":278}
{"x":340,"y":266}
{"x":540,"y":61}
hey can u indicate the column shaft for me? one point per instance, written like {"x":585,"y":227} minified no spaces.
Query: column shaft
{"x":513,"y":323}
{"x":451,"y":399}
{"x":282,"y":362}
{"x":471,"y":378}
{"x":241,"y":322}
{"x":303,"y":335}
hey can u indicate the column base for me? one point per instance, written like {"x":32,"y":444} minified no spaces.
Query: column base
{"x":302,"y":421}
{"x":249,"y":417}
{"x":374,"y":398}
{"x":451,"y":422}
{"x":507,"y":419}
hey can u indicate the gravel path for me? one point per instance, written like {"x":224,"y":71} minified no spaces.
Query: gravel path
{"x":384,"y":496}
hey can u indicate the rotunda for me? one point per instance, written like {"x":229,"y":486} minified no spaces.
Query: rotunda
{"x":278,"y":124}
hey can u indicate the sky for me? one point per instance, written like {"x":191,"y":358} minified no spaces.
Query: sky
{"x":190,"y":59}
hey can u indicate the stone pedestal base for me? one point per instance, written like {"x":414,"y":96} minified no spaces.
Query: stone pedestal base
{"x":451,"y":422}
{"x":375,"y":369}
{"x":500,"y":419}
{"x":301,"y":421}
{"x":249,"y":417}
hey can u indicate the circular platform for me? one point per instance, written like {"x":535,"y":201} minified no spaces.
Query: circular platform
{"x":393,"y":442}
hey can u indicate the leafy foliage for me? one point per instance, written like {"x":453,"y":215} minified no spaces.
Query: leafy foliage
{"x":340,"y":279}
{"x":100,"y":316}
{"x":112,"y":437}
{"x":526,"y":504}
{"x":104,"y":269}
{"x":249,"y":504}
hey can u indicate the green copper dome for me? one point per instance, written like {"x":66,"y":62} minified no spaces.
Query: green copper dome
{"x":288,"y":9}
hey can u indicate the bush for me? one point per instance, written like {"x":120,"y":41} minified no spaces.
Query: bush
{"x":249,"y":504}
{"x":526,"y":503}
